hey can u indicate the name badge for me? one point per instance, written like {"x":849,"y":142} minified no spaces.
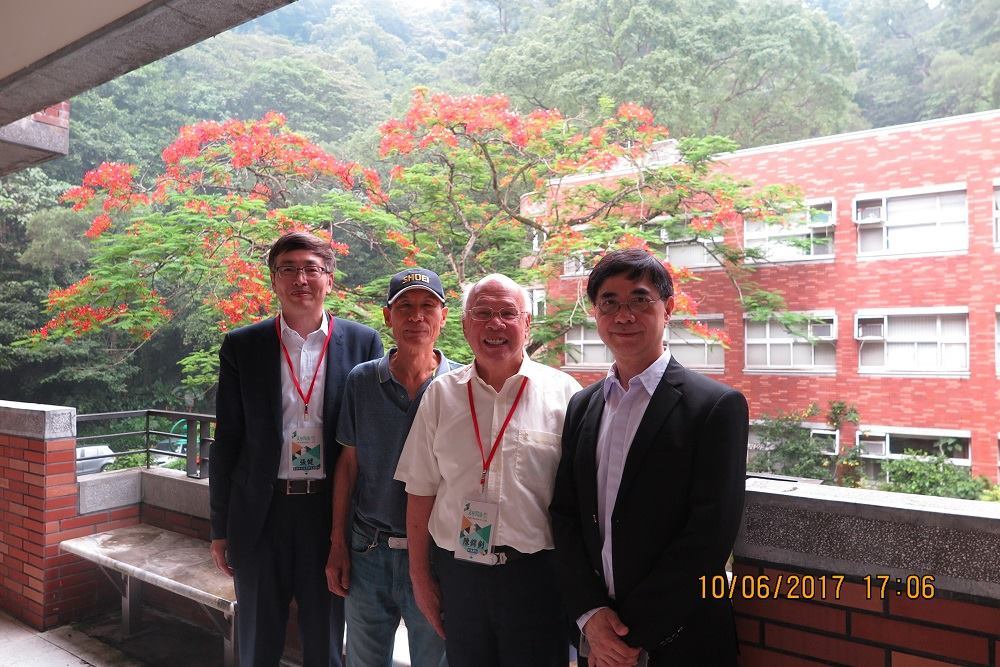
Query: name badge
{"x":476,"y":533}
{"x":306,"y":449}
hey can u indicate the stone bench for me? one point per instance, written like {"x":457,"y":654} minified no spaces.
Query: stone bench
{"x":145,"y":554}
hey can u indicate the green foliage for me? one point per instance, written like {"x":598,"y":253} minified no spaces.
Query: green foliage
{"x":786,"y":448}
{"x":934,"y":475}
{"x":137,"y":460}
{"x":920,"y":60}
{"x":759,"y":72}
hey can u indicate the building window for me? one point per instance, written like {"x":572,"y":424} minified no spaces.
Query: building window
{"x":691,"y":255}
{"x":996,"y":356}
{"x":808,"y":347}
{"x":805,"y":235}
{"x":574,"y":266}
{"x":536,"y":299}
{"x":913,"y":343}
{"x":691,"y":349}
{"x":996,"y":215}
{"x":920,"y":223}
{"x":584,"y":346}
{"x":880,"y":443}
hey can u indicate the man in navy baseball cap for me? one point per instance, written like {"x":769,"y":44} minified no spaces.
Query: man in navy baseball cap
{"x":415,"y":278}
{"x":368,"y":563}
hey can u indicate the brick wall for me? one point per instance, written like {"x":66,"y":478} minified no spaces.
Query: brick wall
{"x":57,"y":114}
{"x":822,"y":534}
{"x":957,"y":150}
{"x":851,"y":629}
{"x":39,"y":500}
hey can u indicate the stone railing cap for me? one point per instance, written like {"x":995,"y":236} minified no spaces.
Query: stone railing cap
{"x":37,"y":421}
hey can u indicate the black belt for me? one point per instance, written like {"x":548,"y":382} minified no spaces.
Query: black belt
{"x":378,"y":537}
{"x":300,"y":487}
{"x":507,"y":554}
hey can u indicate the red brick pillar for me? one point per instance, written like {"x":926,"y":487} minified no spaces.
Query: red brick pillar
{"x":39,"y":507}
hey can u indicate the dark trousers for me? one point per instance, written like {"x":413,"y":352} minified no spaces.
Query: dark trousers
{"x":287,"y":564}
{"x":502,"y":615}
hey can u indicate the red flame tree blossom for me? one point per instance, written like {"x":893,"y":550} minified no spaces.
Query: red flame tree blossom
{"x":467,"y":186}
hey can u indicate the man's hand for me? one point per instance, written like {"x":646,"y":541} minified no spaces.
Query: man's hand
{"x":338,"y":569}
{"x":604,"y":631}
{"x":427,"y":594}
{"x":218,"y":551}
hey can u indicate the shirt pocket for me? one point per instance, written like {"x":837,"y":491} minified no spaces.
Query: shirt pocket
{"x":536,"y":461}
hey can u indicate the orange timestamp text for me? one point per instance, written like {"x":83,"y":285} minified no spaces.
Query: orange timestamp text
{"x":762,"y":586}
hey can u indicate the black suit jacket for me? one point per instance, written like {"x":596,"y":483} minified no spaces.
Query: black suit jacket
{"x":674,"y":521}
{"x":248,"y":433}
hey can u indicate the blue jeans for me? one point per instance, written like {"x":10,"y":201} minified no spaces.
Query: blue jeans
{"x":380,"y":594}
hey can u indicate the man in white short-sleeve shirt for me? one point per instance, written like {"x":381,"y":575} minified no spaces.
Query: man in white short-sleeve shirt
{"x":479,"y":466}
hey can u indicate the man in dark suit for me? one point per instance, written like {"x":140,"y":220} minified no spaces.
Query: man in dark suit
{"x":280,"y":391}
{"x":650,"y":487}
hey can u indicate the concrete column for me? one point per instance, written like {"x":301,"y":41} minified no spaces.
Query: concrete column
{"x":40,"y":507}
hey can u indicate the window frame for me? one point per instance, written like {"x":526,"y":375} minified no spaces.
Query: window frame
{"x":773,"y":234}
{"x":536,"y":299}
{"x":886,"y":432}
{"x":811,"y":369}
{"x":581,"y":343}
{"x":705,"y":343}
{"x":870,"y":316}
{"x":882,"y":200}
{"x":996,"y":213}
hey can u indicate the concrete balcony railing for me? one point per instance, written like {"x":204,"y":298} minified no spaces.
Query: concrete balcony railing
{"x":829,"y":575}
{"x":821,"y":575}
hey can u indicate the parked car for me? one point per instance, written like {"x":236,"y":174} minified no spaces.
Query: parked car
{"x":176,"y":444}
{"x":89,"y":465}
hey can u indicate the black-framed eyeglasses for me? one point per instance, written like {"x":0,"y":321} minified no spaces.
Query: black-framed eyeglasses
{"x":484,"y":314}
{"x":635,"y":305}
{"x":311,"y":272}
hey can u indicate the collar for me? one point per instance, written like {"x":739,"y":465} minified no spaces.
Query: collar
{"x":384,"y":375}
{"x":530,"y":369}
{"x":649,"y":378}
{"x":286,"y":331}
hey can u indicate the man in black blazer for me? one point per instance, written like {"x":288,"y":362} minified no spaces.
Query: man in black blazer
{"x":650,"y":487}
{"x":280,"y":385}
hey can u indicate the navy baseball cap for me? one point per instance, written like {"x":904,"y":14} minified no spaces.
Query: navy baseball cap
{"x":415,"y":278}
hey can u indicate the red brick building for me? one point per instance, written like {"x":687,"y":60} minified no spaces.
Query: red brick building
{"x":899,"y":262}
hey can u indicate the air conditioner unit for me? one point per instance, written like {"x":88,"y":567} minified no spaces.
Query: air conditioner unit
{"x":867,"y":331}
{"x":872,"y":445}
{"x":821,"y":218}
{"x":869,"y":215}
{"x":822,"y":330}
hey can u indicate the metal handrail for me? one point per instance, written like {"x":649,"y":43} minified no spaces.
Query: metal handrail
{"x":197,"y":433}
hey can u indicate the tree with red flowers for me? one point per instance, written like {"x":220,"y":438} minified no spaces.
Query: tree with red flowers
{"x":467,"y":186}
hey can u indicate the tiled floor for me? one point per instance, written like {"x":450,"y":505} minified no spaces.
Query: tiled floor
{"x":21,"y":646}
{"x":97,"y":643}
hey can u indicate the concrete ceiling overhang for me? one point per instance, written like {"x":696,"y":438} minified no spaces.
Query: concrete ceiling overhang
{"x":51,"y":50}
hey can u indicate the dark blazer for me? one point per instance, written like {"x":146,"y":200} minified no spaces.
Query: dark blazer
{"x":674,"y":521}
{"x":247,"y":448}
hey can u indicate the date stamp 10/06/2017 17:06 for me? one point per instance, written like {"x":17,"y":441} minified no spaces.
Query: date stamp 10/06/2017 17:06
{"x":814,"y":587}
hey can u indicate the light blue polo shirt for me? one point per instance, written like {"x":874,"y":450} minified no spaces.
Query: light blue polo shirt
{"x":375,"y":418}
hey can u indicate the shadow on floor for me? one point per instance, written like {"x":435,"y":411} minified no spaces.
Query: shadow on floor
{"x":163,"y":641}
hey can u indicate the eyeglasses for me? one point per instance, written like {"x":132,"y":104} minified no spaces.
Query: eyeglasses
{"x":311,"y":272}
{"x":635,"y":305}
{"x":484,"y":314}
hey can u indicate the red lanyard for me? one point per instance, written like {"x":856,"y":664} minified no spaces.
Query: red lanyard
{"x":291,"y":369}
{"x":496,"y":443}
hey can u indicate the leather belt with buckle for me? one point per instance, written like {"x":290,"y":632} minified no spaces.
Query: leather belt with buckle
{"x":300,"y":487}
{"x":505,"y":554}
{"x":377,"y":536}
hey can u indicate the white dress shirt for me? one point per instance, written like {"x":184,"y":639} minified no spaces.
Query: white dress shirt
{"x":623,"y":411}
{"x":305,"y":355}
{"x":441,"y":457}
